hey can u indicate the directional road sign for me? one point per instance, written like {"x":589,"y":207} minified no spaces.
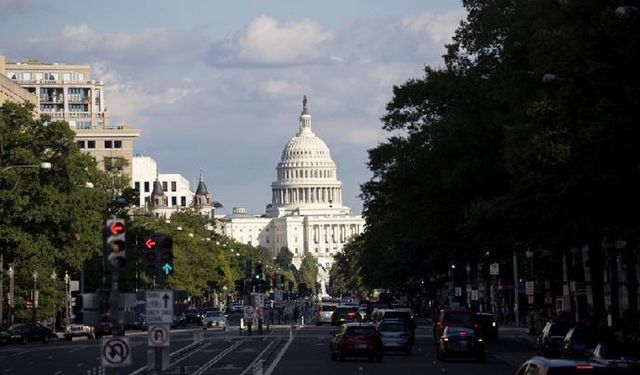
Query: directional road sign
{"x":474,"y":294}
{"x":159,"y":307}
{"x":115,"y":352}
{"x":249,"y":313}
{"x":159,"y":336}
{"x":494,"y":269}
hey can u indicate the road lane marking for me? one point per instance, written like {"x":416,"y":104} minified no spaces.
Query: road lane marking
{"x":217,"y":358}
{"x":49,"y":357}
{"x":278,"y":357}
{"x":257,"y":358}
{"x":57,"y":373}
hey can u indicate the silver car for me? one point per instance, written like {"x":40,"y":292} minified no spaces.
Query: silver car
{"x":214,"y":319}
{"x":395,"y":336}
{"x":324,"y":312}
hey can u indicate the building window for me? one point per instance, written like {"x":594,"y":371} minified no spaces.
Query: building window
{"x":183,"y":201}
{"x":174,"y":201}
{"x":164,"y":185}
{"x":108,"y":144}
{"x":174,"y":188}
{"x":146,"y":186}
{"x":91,"y":144}
{"x":80,"y":144}
{"x":136,"y":186}
{"x":117,"y":144}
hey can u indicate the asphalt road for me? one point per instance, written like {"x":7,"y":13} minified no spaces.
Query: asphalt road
{"x":228,"y":353}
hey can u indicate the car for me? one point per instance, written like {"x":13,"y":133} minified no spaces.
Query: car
{"x":453,"y":318}
{"x":77,"y":330}
{"x":460,"y":342}
{"x":551,"y":366}
{"x":140,"y":322}
{"x":487,"y":325}
{"x":356,"y":340}
{"x":25,"y":333}
{"x":344,"y":314}
{"x":619,"y":355}
{"x":395,"y":336}
{"x":237,"y":308}
{"x":403,"y":314}
{"x":579,"y":342}
{"x":104,"y":328}
{"x":324,"y":312}
{"x":551,"y":338}
{"x":214,"y":318}
{"x":179,"y":320}
{"x":193,"y":316}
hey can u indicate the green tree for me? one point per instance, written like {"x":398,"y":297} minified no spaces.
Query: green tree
{"x":346,"y":274}
{"x":309,"y":271}
{"x":284,"y":258}
{"x":49,"y":219}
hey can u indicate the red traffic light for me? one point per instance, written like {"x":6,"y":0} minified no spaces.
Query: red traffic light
{"x":149,"y":243}
{"x":116,"y":228}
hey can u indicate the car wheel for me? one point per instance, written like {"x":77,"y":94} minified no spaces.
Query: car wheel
{"x":408,"y":351}
{"x":24,"y":340}
{"x":333,"y":356}
{"x":45,"y":339}
{"x":443,"y":357}
{"x":379,"y":358}
{"x":340,"y":356}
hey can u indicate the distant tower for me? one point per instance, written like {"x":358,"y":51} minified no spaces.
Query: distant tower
{"x":202,"y":200}
{"x":158,"y":202}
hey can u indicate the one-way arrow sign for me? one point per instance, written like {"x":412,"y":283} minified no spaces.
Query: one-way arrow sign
{"x":166,"y":299}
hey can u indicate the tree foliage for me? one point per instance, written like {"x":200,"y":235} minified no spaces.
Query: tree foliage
{"x":309,"y":271}
{"x":525,"y":136}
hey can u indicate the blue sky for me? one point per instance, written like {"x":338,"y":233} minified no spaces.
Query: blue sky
{"x":217,"y":85}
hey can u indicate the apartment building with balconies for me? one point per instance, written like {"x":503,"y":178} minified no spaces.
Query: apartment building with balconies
{"x":68,"y":92}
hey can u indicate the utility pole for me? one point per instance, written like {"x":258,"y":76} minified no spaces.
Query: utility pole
{"x":12,"y":303}
{"x":516,"y":295}
{"x":1,"y":288}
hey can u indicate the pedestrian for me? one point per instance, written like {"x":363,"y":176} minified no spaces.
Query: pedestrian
{"x":296,"y":315}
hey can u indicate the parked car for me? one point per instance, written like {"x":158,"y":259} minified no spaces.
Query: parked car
{"x":551,"y":339}
{"x":356,"y":340}
{"x":324,"y":312}
{"x":460,"y":342}
{"x":549,"y":366}
{"x":487,"y":325}
{"x":579,"y":342}
{"x":25,"y":333}
{"x":453,"y":318}
{"x":193,"y":316}
{"x":214,"y":318}
{"x":624,"y":356}
{"x":344,"y":314}
{"x":395,"y":336}
{"x":237,"y":308}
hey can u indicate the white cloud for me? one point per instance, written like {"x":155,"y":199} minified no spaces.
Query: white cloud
{"x":264,"y":41}
{"x":439,"y":27}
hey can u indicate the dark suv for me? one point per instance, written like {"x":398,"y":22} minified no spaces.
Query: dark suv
{"x":453,"y":318}
{"x":356,"y":340}
{"x":552,"y":338}
{"x":345,"y":314}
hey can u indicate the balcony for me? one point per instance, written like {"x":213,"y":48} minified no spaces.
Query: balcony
{"x":52,"y":99}
{"x":79,"y":114}
{"x":78,"y":99}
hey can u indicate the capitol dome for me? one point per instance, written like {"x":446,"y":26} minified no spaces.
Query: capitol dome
{"x":306,"y":174}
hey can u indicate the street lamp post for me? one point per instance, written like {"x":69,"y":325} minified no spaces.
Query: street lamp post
{"x":67,"y":280}
{"x":11,"y":292}
{"x":34,"y":305}
{"x":53,"y":279}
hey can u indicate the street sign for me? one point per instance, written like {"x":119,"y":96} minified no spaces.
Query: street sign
{"x":530,"y":300}
{"x":115,"y":352}
{"x":458,"y":291}
{"x":474,"y":294}
{"x":159,"y":306}
{"x":494,"y":269}
{"x":249,"y":313}
{"x":529,"y":288}
{"x":158,"y":336}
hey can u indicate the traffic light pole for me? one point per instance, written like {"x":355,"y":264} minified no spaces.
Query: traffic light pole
{"x":158,"y":351}
{"x":115,"y":307}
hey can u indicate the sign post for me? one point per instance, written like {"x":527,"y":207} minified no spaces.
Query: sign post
{"x":159,"y":315}
{"x":115,"y":352}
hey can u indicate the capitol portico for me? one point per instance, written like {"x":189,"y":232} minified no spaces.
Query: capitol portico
{"x":306,"y":214}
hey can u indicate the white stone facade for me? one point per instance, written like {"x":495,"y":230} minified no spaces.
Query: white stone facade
{"x":175,"y":186}
{"x":306,"y":214}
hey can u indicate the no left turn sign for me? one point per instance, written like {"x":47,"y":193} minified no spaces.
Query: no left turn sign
{"x":115,"y":352}
{"x":158,"y":336}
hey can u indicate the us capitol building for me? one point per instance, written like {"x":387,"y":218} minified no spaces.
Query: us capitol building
{"x":306,"y":214}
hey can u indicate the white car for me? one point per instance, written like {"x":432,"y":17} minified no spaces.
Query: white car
{"x":214,"y":318}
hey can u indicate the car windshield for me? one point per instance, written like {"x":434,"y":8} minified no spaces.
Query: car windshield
{"x":328,"y":308}
{"x":396,"y":315}
{"x":458,"y":316}
{"x":484,"y":319}
{"x":559,"y":329}
{"x":391,"y":327}
{"x":620,"y":350}
{"x":459,"y":331}
{"x":344,"y":310}
{"x":18,"y":328}
{"x":213,"y":314}
{"x":367,"y":331}
{"x":191,"y":311}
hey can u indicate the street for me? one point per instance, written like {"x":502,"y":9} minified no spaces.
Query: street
{"x":230,"y":353}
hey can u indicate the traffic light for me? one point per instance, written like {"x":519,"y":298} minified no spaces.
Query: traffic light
{"x":158,"y":255}
{"x":166,"y":256}
{"x":258,"y":273}
{"x":150,"y":256}
{"x":114,"y":245}
{"x":239,"y":284}
{"x":247,"y":269}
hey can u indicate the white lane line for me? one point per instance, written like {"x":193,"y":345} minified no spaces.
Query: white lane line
{"x":278,"y":357}
{"x":49,"y":357}
{"x":80,"y":365}
{"x":76,"y":349}
{"x":57,"y":373}
{"x":217,"y":358}
{"x":257,"y":358}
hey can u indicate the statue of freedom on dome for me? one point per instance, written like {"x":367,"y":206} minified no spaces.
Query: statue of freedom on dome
{"x":304,"y":103}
